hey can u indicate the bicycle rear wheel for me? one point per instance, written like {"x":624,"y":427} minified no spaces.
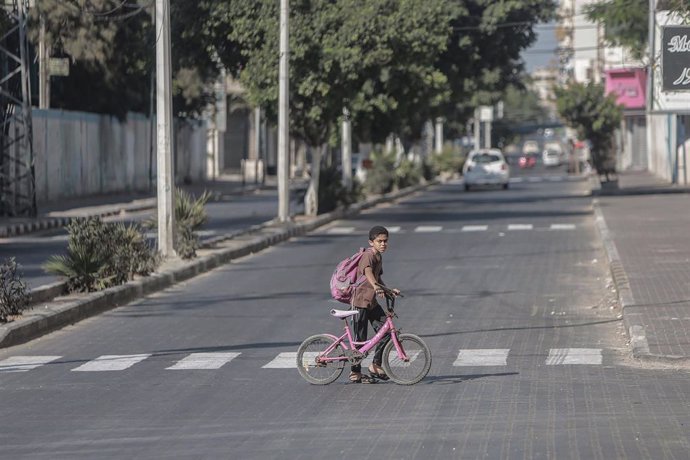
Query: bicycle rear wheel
{"x":311,"y":368}
{"x":415,"y":368}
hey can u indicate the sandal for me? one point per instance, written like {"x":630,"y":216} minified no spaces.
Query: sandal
{"x":361,"y":378}
{"x":378,"y":375}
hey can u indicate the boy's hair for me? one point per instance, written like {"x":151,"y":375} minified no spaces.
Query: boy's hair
{"x":376,"y":231}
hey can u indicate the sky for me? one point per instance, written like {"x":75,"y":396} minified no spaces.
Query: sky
{"x":546,"y":40}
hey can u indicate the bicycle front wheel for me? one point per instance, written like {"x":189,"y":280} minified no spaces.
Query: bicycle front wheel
{"x":315,"y":364}
{"x":417,"y":365}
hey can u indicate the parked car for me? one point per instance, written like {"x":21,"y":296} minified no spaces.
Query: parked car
{"x":486,"y":167}
{"x":360,"y":164}
{"x":530,"y":147}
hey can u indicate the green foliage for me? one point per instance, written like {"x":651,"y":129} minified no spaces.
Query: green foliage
{"x":449,"y":161}
{"x":332,"y":192}
{"x":381,"y":177}
{"x":13,"y":291}
{"x":595,"y":116}
{"x":625,"y":22}
{"x":408,"y":172}
{"x":110,"y":44}
{"x":101,"y":255}
{"x":190,"y":215}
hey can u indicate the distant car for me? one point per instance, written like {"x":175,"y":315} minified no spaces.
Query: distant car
{"x":530,"y":147}
{"x":486,"y":167}
{"x":527,"y":160}
{"x":552,"y":157}
{"x":360,"y":164}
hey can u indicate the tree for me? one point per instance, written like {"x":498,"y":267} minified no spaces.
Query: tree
{"x":626,"y":21}
{"x":483,"y":55}
{"x":595,"y":116}
{"x":520,"y":106}
{"x":373,"y":56}
{"x":110,"y":44}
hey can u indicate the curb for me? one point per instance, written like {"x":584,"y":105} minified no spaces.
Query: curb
{"x":634,"y":327}
{"x":63,"y":311}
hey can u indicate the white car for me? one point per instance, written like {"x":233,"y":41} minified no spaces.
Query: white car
{"x":486,"y":167}
{"x":551,"y":157}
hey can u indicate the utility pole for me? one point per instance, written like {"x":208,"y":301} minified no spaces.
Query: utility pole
{"x":439,"y":135}
{"x":283,"y":122}
{"x":43,"y":71}
{"x":346,"y":159}
{"x":164,"y":120}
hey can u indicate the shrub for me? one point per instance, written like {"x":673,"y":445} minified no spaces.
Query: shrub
{"x":190,"y":215}
{"x":408,"y":173}
{"x":448,"y":161}
{"x":381,"y":177}
{"x":101,"y":255}
{"x":332,"y":192}
{"x":13,"y":291}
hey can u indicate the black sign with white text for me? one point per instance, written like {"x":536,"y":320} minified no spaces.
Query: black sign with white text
{"x":675,"y":58}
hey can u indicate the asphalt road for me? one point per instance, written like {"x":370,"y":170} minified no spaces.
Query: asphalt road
{"x":235,"y":212}
{"x":509,"y":288}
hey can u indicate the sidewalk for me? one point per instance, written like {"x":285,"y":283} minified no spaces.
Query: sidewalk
{"x":60,"y":213}
{"x":644,"y":226}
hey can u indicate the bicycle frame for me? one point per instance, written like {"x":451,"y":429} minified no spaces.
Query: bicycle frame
{"x":387,"y":327}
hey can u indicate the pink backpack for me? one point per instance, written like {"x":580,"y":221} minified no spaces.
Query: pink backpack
{"x":344,"y":279}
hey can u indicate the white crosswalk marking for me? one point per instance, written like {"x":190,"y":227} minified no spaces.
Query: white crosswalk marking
{"x":393,"y":229}
{"x":428,"y":228}
{"x":341,"y":230}
{"x":396,"y":362}
{"x":534,"y":179}
{"x":574,"y":356}
{"x":285,"y":360}
{"x":562,"y":227}
{"x":204,"y":361}
{"x":516,"y":179}
{"x":474,"y":228}
{"x":520,"y":227}
{"x":25,"y":363}
{"x":111,"y":363}
{"x":482,"y":357}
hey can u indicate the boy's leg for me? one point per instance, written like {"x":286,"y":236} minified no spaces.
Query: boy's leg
{"x":377,"y":317}
{"x":359,"y":330}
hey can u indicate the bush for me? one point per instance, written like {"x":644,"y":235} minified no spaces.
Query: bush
{"x":408,"y":173}
{"x":101,"y":255}
{"x":332,"y":192}
{"x":13,"y":291}
{"x":448,"y":161}
{"x":190,"y":215}
{"x":381,"y":177}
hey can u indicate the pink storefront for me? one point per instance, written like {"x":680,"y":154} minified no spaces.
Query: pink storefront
{"x":630,"y":86}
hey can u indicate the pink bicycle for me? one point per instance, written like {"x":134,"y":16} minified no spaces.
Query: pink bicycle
{"x":322,"y":357}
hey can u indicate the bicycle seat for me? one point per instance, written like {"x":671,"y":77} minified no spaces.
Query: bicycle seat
{"x":343,"y":313}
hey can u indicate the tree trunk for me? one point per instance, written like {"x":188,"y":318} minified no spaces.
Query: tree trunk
{"x":311,"y":199}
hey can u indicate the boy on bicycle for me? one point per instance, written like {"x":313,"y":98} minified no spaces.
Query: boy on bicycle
{"x":364,"y":300}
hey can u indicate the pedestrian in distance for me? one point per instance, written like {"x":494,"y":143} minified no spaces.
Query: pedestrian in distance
{"x":369,"y":310}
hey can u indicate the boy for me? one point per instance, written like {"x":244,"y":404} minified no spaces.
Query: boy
{"x":364,"y":300}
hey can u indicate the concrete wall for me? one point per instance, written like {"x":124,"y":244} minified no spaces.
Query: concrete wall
{"x":79,"y":154}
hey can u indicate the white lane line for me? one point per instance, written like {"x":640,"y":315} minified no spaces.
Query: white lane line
{"x":516,"y":179}
{"x":482,"y":357}
{"x":428,"y":228}
{"x":574,"y":356}
{"x":562,"y":227}
{"x":393,"y":229}
{"x":341,"y":230}
{"x":474,"y":228}
{"x":111,"y":363}
{"x":284,"y":360}
{"x":204,"y":361}
{"x":555,"y":178}
{"x":25,"y":363}
{"x":534,"y":179}
{"x":520,"y":227}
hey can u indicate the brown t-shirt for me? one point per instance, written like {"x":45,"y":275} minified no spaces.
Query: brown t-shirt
{"x":365,"y":294}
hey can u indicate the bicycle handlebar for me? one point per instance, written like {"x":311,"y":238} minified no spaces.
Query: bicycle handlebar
{"x":389,"y":292}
